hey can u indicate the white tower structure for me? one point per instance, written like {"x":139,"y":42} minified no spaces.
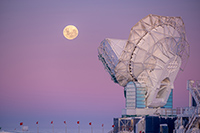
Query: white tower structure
{"x":147,"y":64}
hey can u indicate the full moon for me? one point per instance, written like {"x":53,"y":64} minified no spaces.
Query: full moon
{"x":70,"y":32}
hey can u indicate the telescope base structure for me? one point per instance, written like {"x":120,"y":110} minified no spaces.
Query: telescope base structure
{"x":146,"y":124}
{"x":134,"y":93}
{"x":179,"y":120}
{"x":162,"y":120}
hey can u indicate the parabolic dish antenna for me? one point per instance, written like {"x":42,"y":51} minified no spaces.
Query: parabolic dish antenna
{"x":153,"y":54}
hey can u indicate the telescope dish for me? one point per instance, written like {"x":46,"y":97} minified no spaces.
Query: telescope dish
{"x":152,"y":56}
{"x":153,"y":40}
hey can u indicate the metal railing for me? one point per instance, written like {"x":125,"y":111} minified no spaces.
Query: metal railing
{"x":194,"y":88}
{"x":187,"y":111}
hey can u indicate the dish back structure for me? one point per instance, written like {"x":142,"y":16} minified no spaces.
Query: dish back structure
{"x":150,"y":59}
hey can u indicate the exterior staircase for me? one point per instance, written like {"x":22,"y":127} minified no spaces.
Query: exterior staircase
{"x":194,"y":88}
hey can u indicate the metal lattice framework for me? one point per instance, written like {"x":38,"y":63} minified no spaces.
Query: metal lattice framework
{"x":148,"y":38}
{"x":154,"y":53}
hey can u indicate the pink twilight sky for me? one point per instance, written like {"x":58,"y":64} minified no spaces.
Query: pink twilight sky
{"x":45,"y":77}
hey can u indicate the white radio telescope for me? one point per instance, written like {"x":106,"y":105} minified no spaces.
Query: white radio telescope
{"x":150,"y":59}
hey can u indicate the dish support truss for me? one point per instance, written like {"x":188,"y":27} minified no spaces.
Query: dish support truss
{"x":154,"y":53}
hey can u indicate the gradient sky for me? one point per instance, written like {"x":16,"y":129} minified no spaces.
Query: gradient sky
{"x":45,"y":77}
